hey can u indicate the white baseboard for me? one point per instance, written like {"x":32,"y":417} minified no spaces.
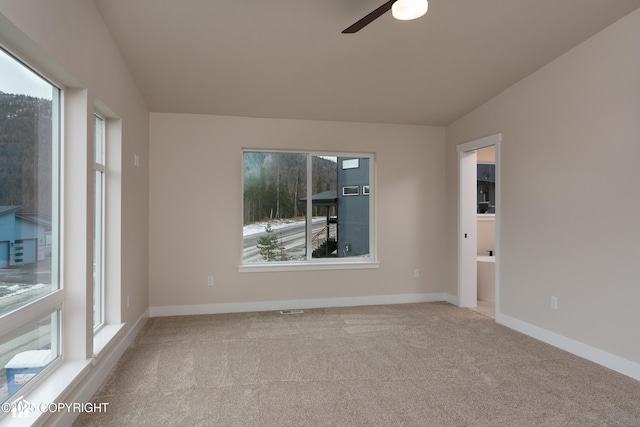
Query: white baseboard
{"x":96,"y":377}
{"x":245,"y":307}
{"x":452,"y":299}
{"x":608,"y":360}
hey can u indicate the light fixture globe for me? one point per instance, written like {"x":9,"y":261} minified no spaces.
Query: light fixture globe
{"x":409,"y":9}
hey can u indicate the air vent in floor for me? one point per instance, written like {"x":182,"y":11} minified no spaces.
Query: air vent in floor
{"x":291,"y":311}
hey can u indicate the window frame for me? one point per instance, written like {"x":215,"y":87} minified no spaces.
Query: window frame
{"x":112,"y":325}
{"x":317,"y":263}
{"x":52,"y":302}
{"x":79,"y":347}
{"x":99,"y":167}
{"x":486,"y":216}
{"x":355,"y":190}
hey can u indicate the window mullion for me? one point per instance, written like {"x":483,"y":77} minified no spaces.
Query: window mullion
{"x":18,"y":318}
{"x":309,"y":207}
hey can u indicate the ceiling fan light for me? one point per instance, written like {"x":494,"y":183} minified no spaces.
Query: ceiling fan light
{"x":409,"y":9}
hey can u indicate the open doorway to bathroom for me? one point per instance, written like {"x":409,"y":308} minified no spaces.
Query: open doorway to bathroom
{"x":486,"y":230}
{"x":478,"y":252}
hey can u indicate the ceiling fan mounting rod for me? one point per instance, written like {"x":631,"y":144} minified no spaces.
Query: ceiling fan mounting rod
{"x":368,"y":19}
{"x":402,"y":9}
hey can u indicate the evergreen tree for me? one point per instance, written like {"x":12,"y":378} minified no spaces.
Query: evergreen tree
{"x":269,"y":244}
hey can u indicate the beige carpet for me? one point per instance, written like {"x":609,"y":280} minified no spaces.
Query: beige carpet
{"x":428,"y":364}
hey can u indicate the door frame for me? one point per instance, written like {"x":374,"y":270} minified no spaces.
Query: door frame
{"x":467,"y":220}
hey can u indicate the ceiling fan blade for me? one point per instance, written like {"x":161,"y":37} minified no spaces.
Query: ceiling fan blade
{"x":369,"y":18}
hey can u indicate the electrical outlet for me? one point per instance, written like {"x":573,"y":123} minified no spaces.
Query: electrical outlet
{"x":210,"y":281}
{"x":416,"y":273}
{"x":127,"y":301}
{"x":554,"y":303}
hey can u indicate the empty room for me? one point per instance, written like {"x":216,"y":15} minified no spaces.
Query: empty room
{"x":337,"y":212}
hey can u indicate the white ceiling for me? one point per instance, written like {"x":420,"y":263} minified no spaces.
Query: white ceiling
{"x":288,"y":58}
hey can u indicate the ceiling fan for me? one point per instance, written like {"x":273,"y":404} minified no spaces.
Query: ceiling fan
{"x":401,"y":9}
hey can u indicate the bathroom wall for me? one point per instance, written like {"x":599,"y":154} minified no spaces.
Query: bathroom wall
{"x":486,"y":234}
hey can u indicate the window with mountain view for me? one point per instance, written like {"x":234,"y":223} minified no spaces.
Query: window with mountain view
{"x":30,"y":299}
{"x":306,"y":207}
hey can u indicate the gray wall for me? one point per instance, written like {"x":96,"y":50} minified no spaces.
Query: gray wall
{"x":569,"y":199}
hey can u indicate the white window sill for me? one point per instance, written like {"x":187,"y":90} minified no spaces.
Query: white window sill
{"x":57,"y":384}
{"x":486,"y":217}
{"x":103,"y":338}
{"x":307,"y":266}
{"x":51,"y":389}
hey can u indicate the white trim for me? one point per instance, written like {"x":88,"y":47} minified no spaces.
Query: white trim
{"x":104,"y":339}
{"x":246,"y":307}
{"x":53,"y":389}
{"x":31,"y":312}
{"x":479,"y":143}
{"x":467,"y":228}
{"x":98,"y":375}
{"x":608,"y":360}
{"x":261,"y":267}
{"x":73,"y":381}
{"x":498,"y":220}
{"x":472,"y":146}
{"x":452,"y":299}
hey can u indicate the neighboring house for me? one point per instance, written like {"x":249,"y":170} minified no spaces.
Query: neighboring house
{"x":353,"y":206}
{"x":24,"y":238}
{"x":351,"y":202}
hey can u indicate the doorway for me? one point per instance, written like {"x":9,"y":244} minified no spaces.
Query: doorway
{"x":470,"y":154}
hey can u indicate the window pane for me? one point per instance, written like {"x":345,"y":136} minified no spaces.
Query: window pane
{"x":98,"y":227}
{"x":24,"y":354}
{"x":353,"y":208}
{"x":98,"y":246}
{"x":28,"y":185}
{"x":279,"y":211}
{"x":274,"y":206}
{"x":486,"y":188}
{"x":324,"y":206}
{"x":98,"y":127}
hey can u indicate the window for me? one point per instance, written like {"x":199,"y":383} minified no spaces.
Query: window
{"x":27,"y":351}
{"x":30,"y":293}
{"x":350,"y":163}
{"x":350,"y":190}
{"x":98,"y":229}
{"x":486,"y":188}
{"x":302,"y":208}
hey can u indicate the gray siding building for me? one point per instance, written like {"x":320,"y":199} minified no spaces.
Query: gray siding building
{"x":353,"y":206}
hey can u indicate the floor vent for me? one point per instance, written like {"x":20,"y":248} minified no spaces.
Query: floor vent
{"x":291,"y":311}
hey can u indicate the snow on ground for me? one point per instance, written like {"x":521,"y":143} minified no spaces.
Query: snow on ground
{"x":259,"y":227}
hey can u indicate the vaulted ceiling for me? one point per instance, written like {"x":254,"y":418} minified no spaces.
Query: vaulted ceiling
{"x":288,"y":58}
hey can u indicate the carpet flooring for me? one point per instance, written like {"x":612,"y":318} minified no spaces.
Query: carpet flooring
{"x":428,"y":364}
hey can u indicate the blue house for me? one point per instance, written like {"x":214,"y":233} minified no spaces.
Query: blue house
{"x":24,"y":238}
